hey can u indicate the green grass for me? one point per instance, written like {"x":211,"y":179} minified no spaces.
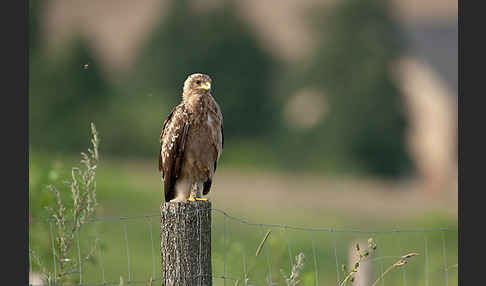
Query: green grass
{"x":132,"y":188}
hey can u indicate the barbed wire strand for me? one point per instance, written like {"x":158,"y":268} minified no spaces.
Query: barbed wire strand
{"x":337,"y":263}
{"x":207,"y":217}
{"x":150,"y":222}
{"x":213,"y":227}
{"x":289,"y":250}
{"x":316,"y":268}
{"x":378,"y":251}
{"x":273,"y":225}
{"x":102,"y":266}
{"x":79,"y":260}
{"x":446,"y":271}
{"x":128,"y":252}
{"x":426,"y":250}
{"x":244,"y":258}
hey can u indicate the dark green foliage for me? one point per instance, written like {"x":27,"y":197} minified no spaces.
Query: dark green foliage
{"x":64,"y":97}
{"x":219,"y":44}
{"x":365,"y":126}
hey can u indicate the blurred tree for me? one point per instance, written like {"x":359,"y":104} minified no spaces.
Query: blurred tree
{"x":217,"y":43}
{"x":65,"y":92}
{"x":364,"y":128}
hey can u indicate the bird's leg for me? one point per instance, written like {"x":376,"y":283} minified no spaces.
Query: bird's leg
{"x":193,"y":194}
{"x":198,"y":196}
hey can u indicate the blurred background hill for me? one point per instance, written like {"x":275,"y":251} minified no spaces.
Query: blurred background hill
{"x":350,"y":106}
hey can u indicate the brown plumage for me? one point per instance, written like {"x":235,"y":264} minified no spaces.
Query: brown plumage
{"x":191,"y":142}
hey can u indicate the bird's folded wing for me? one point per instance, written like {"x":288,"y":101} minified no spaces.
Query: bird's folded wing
{"x":172,"y":141}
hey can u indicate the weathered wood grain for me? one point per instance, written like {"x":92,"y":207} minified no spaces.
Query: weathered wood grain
{"x":185,"y":230}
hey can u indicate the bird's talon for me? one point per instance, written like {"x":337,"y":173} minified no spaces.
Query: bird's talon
{"x":191,"y":199}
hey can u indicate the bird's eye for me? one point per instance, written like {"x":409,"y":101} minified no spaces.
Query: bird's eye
{"x":198,"y":82}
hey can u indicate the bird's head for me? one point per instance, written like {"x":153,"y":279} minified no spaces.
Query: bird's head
{"x":197,"y":83}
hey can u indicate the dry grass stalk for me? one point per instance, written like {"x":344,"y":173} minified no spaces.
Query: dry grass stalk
{"x":297,"y":268}
{"x":349,"y":276}
{"x":402,"y":261}
{"x":83,"y":191}
{"x":262,"y":243}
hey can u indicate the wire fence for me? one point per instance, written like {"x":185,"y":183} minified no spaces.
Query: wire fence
{"x":128,"y":252}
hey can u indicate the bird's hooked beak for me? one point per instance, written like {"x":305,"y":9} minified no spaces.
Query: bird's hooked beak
{"x":206,"y":85}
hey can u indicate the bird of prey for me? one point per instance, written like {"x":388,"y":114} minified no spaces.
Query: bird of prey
{"x":191,"y":142}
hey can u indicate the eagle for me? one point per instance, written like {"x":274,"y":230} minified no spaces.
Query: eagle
{"x":191,"y":142}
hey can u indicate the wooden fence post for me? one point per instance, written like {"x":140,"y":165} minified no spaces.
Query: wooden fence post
{"x":185,"y":230}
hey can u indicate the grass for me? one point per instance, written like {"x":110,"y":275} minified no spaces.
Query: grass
{"x":132,"y":188}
